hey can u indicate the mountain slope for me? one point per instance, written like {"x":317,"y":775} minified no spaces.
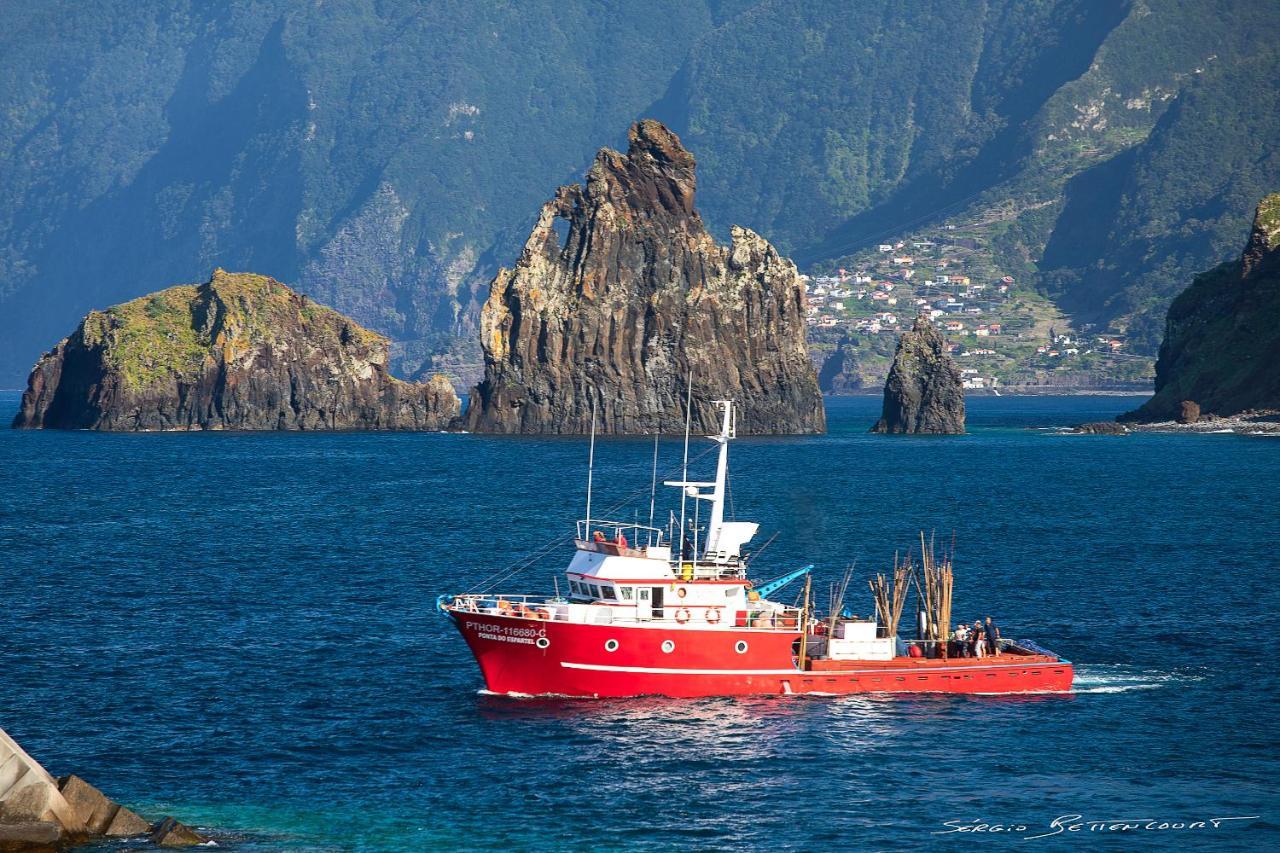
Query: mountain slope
{"x":380,"y":155}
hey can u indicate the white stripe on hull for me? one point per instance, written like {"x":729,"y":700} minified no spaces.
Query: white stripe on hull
{"x":663,"y":670}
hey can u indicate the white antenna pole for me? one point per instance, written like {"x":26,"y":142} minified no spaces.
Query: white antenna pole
{"x":684,"y":474}
{"x":653,"y":488}
{"x":591,"y":464}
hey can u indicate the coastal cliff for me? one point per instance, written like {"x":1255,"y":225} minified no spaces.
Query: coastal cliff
{"x":1221,"y":349}
{"x":923,"y":394}
{"x":241,"y":351}
{"x":621,"y":295}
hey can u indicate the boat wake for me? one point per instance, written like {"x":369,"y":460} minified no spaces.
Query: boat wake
{"x":1102,"y":678}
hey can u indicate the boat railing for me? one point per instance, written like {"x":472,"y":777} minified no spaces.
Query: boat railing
{"x":641,"y":534}
{"x":558,"y":609}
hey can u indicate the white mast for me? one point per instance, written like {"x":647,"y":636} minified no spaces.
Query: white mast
{"x":591,"y":464}
{"x":653,"y":487}
{"x":722,"y":469}
{"x":716,"y":526}
{"x":684,"y":472}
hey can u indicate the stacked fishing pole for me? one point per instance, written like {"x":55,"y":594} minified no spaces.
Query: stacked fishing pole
{"x":890,"y":597}
{"x":934,"y":583}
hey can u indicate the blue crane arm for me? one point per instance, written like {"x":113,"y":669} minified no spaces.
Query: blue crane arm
{"x":766,"y":589}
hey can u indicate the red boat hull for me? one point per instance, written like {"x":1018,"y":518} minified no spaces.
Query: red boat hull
{"x":541,"y":657}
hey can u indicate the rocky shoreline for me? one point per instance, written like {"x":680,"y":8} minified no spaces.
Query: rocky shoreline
{"x":40,"y":813}
{"x":1246,"y":423}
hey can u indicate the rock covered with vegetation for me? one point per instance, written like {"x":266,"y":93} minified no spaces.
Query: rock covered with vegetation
{"x":924,"y":393}
{"x":614,"y":316}
{"x":241,"y":351}
{"x":1221,"y":350}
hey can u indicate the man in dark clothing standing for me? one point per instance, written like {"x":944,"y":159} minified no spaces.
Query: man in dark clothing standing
{"x":993,"y":637}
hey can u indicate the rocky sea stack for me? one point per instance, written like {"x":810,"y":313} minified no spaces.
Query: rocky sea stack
{"x":241,"y":351}
{"x":621,"y":294}
{"x":1221,"y":349}
{"x":923,"y":393}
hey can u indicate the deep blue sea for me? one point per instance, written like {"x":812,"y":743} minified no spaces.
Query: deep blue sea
{"x":239,"y":629}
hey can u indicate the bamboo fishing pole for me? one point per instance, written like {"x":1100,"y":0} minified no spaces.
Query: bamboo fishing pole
{"x":804,"y":623}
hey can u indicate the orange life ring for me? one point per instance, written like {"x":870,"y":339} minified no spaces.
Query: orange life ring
{"x":749,"y":585}
{"x":685,"y":618}
{"x":713,"y":611}
{"x":682,"y":592}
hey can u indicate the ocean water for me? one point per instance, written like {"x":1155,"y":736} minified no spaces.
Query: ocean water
{"x":240,"y":630}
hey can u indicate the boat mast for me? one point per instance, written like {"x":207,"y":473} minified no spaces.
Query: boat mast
{"x":722,"y":472}
{"x":684,"y":472}
{"x":591,"y":464}
{"x":653,"y":487}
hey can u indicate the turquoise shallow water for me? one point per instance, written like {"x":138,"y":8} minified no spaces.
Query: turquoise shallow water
{"x":239,"y":629}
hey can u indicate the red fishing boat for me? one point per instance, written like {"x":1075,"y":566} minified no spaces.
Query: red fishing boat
{"x":640,"y":619}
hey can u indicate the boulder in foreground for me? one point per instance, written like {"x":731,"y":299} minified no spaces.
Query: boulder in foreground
{"x":923,"y":394}
{"x":39,"y":813}
{"x":241,"y":351}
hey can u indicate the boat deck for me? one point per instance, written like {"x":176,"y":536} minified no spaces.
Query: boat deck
{"x":925,"y":664}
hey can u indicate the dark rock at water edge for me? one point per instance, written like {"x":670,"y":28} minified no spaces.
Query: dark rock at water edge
{"x":1221,"y":349}
{"x":242,"y":352}
{"x":924,"y":393}
{"x":169,"y":832}
{"x":615,"y":311}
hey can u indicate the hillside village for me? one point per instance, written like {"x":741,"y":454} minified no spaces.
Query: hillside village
{"x":1002,"y":333}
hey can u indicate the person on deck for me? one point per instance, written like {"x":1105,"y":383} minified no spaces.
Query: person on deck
{"x":977,"y":641}
{"x":961,"y":641}
{"x":993,"y":637}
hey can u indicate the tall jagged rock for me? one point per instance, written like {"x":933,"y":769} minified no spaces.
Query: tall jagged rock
{"x":241,"y":351}
{"x":1221,"y":349}
{"x":923,"y":393}
{"x":621,"y":294}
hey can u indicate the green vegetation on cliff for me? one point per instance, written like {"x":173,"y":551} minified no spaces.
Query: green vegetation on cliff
{"x":1221,"y":347}
{"x":380,"y":156}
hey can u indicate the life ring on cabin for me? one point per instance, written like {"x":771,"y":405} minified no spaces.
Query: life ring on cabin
{"x":713,"y":612}
{"x":682,"y":615}
{"x":682,"y":592}
{"x":749,"y":585}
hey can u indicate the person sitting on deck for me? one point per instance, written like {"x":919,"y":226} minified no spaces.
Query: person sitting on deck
{"x":621,"y":540}
{"x":993,"y":637}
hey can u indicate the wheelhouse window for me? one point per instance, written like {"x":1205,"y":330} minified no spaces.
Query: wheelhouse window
{"x":609,"y":593}
{"x":595,"y":591}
